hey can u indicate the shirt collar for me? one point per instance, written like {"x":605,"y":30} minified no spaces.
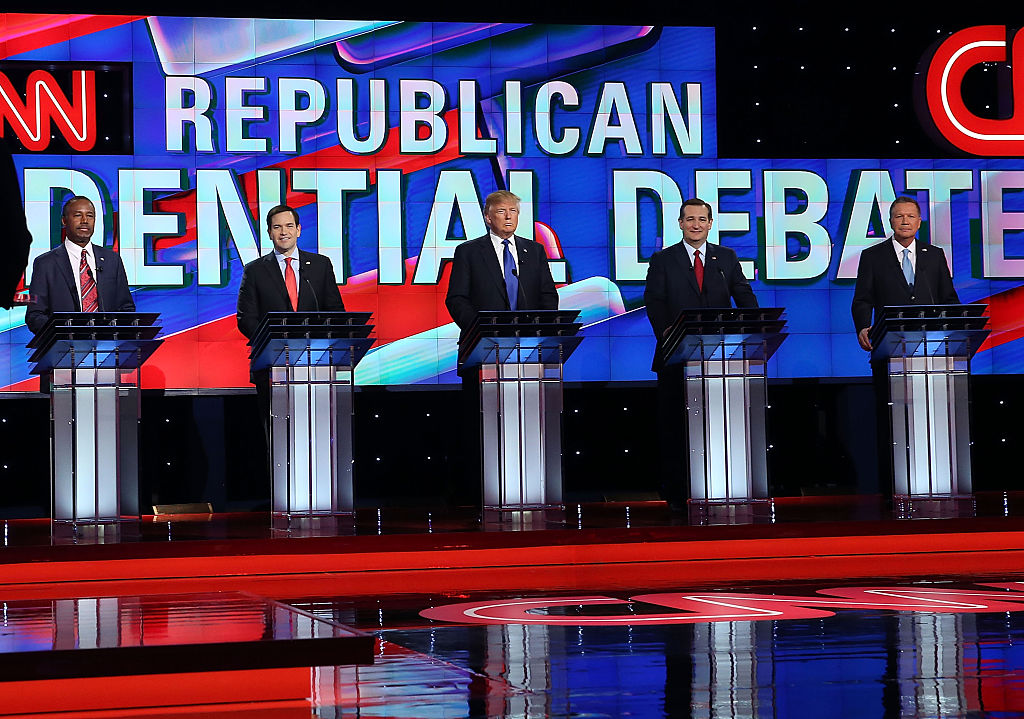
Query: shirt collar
{"x":899,"y":248}
{"x":75,"y":251}
{"x":690,"y":249}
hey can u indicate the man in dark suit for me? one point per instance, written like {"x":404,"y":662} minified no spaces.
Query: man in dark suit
{"x":287,"y":279}
{"x":499,"y":271}
{"x":693,"y":273}
{"x":688,"y":275}
{"x":899,"y":271}
{"x":77,"y":276}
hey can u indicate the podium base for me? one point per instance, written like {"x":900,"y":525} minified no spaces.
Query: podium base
{"x":114,"y":531}
{"x":315,"y":525}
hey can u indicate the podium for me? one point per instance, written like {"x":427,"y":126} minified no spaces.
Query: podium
{"x":519,"y":357}
{"x":926,"y":353}
{"x":92,"y":361}
{"x":310,"y":358}
{"x":723,"y":353}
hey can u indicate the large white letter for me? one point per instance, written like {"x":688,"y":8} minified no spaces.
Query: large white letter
{"x":347,"y":115}
{"x":136,"y":225}
{"x":778,"y":223}
{"x":469,"y":143}
{"x":614,"y":99}
{"x":290,"y":116}
{"x":544,"y":111}
{"x":413,"y":117}
{"x":995,"y":223}
{"x":454,"y":188}
{"x":238,"y":115}
{"x":709,"y":184}
{"x":874,"y":188}
{"x":217,"y":190}
{"x":177,"y":114}
{"x":626,"y":184}
{"x":686,"y":135}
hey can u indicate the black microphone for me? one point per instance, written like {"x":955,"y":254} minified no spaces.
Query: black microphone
{"x":515,"y":273}
{"x":310,"y":286}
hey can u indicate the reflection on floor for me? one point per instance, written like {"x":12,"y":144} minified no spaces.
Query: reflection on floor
{"x":466,"y":626}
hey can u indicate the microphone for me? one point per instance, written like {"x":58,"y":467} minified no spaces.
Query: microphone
{"x":316,"y":301}
{"x":515,"y":273}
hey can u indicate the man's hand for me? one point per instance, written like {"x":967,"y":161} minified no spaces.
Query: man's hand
{"x":862,"y":338}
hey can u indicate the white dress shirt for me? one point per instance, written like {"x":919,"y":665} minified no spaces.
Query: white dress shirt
{"x":690,"y":250}
{"x":295,"y":264}
{"x":499,"y":251}
{"x":899,"y":253}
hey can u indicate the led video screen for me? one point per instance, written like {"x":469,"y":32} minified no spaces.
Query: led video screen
{"x":386,"y":136}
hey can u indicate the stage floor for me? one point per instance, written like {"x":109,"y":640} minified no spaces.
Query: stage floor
{"x":838,"y":605}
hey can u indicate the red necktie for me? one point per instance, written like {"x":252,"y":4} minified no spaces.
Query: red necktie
{"x":291,"y":284}
{"x":90,"y":300}
{"x":698,"y":269}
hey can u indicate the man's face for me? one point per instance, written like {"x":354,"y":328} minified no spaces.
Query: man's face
{"x":695,"y":224}
{"x":284,"y":232}
{"x":79,"y":221}
{"x":905,"y":222}
{"x":503,"y":218}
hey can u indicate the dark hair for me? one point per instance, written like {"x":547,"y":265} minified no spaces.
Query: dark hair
{"x":76,"y":198}
{"x":695,"y":201}
{"x":904,"y":200}
{"x":278,"y":210}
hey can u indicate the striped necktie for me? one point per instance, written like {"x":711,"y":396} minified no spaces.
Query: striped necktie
{"x":90,"y":296}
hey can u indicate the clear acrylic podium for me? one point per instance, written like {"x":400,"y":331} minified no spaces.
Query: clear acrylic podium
{"x":311,"y":357}
{"x":723,"y":353}
{"x":519,"y":357}
{"x":926,"y":351}
{"x":92,"y":361}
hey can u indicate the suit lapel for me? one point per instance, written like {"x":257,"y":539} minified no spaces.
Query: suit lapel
{"x":277,"y":279}
{"x":490,"y":260}
{"x":64,"y":268}
{"x":686,"y":267}
{"x":893,"y":265}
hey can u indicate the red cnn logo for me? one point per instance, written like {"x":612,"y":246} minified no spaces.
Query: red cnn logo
{"x":943,"y":89}
{"x":45,"y":102}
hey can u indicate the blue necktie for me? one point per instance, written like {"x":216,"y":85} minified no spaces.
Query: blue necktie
{"x":908,"y":269}
{"x":511,"y":280}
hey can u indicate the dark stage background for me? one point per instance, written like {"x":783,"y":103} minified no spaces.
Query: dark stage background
{"x":792,"y":83}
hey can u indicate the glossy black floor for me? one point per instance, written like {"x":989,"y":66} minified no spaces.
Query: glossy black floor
{"x":858,"y":663}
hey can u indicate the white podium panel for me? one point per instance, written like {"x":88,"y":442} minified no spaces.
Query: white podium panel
{"x":930,"y":425}
{"x":521,"y":435}
{"x":311,"y":440}
{"x":94,"y":416}
{"x":725,"y":416}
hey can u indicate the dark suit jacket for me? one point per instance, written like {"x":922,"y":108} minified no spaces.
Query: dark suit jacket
{"x":672,"y":284}
{"x":53,"y":286}
{"x":880,"y":281}
{"x":478,"y":281}
{"x":263,"y":289}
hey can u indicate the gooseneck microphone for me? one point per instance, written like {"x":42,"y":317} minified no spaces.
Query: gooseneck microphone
{"x":309,"y":284}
